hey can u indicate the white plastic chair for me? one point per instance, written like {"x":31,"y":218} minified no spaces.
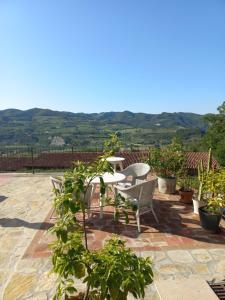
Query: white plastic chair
{"x":140,"y":196}
{"x":87,"y":198}
{"x":58,"y":188}
{"x":57,"y":185}
{"x":135,"y":171}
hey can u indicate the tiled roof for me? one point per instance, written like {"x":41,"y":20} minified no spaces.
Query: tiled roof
{"x":194,"y":159}
{"x":66,"y":159}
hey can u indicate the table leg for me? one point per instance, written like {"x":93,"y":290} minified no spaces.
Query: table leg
{"x":115,"y":195}
{"x":89,"y":200}
{"x":101,"y":204}
{"x":121,"y":165}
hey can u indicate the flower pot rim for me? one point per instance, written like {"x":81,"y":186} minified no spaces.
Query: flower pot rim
{"x":171,"y":177}
{"x":209,"y":213}
{"x":198,"y":200}
{"x":182,"y":190}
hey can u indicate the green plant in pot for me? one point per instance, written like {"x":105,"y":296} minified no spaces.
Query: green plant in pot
{"x":186,"y":191}
{"x":203,"y":171}
{"x":166,"y":162}
{"x":213,"y":193}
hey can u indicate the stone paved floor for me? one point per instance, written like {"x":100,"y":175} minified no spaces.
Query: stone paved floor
{"x":178,"y":246}
{"x":24,"y":203}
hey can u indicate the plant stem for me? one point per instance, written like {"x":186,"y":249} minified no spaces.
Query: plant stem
{"x":85,"y":232}
{"x":87,"y":292}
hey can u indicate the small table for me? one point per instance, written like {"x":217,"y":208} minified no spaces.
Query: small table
{"x":114,"y":160}
{"x":108,"y":179}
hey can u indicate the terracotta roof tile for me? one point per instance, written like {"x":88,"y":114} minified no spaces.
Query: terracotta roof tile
{"x":66,"y":159}
{"x":194,"y":159}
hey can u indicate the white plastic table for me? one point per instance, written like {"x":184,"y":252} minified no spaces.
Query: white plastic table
{"x":108,"y":179}
{"x":114,"y":160}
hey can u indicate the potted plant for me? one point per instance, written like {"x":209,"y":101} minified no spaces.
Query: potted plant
{"x":186,"y":191}
{"x":198,"y":199}
{"x":214,"y":195}
{"x":197,"y":203}
{"x":166,"y":162}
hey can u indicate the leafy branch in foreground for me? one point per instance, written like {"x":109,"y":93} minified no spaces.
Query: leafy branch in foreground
{"x":109,"y":273}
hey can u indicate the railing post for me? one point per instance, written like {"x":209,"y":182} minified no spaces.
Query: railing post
{"x":32,"y":159}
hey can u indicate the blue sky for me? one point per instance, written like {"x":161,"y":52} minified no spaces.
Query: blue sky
{"x":98,"y":55}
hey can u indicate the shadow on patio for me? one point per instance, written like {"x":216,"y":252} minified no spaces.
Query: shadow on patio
{"x":2,"y":198}
{"x":178,"y":228}
{"x":15,"y":222}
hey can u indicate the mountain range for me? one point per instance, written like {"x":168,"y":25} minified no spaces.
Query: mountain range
{"x":46,"y":127}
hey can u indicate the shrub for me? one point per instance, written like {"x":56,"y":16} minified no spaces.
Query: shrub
{"x":168,"y":160}
{"x":110,"y":273}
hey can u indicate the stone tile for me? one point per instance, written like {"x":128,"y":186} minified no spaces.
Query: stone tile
{"x":171,"y":269}
{"x":155,"y":255}
{"x":219,"y":267}
{"x":4,"y":276}
{"x":46,"y":282}
{"x":159,"y":244}
{"x":185,"y":289}
{"x":201,"y":255}
{"x":8,"y":244}
{"x":175,"y":245}
{"x":18,"y":286}
{"x":200,"y":269}
{"x":217,"y":253}
{"x":180,"y":256}
{"x":38,"y":296}
{"x":4,"y":259}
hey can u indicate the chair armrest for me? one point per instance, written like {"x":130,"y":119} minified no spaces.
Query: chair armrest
{"x":124,"y":184}
{"x":124,"y":188}
{"x":121,"y":188}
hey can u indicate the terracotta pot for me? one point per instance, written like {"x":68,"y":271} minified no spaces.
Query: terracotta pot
{"x":167,"y":185}
{"x":186,"y":196}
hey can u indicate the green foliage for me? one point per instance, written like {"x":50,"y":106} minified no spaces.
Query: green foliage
{"x":117,"y":271}
{"x":214,"y":190}
{"x":187,"y":183}
{"x":168,"y":160}
{"x":89,"y":131}
{"x":211,"y":186}
{"x":203,"y":174}
{"x":112,"y":145}
{"x":215,"y":134}
{"x":113,"y":271}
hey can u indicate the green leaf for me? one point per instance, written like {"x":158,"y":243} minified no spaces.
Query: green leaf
{"x":71,"y":289}
{"x":102,"y":186}
{"x":114,"y":293}
{"x":63,"y":235}
{"x":79,"y":270}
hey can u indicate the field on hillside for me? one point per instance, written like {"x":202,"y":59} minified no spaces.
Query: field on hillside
{"x":39,"y":127}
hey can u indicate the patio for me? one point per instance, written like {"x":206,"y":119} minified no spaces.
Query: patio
{"x":179,"y":247}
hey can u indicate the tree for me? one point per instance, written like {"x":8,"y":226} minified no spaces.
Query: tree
{"x":109,"y":273}
{"x":215,"y":134}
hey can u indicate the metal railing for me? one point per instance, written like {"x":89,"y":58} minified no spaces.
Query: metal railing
{"x":32,"y":158}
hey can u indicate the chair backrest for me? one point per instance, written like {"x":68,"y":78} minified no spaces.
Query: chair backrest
{"x":146,"y":192}
{"x":137,"y":171}
{"x":142,"y":191}
{"x":88,"y":194}
{"x":57,"y":184}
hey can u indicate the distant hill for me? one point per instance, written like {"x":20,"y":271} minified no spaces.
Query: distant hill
{"x":46,"y":127}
